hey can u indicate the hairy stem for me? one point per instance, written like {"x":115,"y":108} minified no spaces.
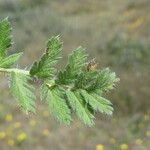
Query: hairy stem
{"x":4,"y":70}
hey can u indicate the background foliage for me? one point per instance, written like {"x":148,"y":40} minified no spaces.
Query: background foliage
{"x":116,"y":33}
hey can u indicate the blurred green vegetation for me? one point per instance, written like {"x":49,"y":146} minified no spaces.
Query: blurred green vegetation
{"x":117,"y":34}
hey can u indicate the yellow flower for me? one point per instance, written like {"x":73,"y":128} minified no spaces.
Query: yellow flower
{"x":8,"y":117}
{"x":45,"y":132}
{"x":123,"y":146}
{"x":147,"y":133}
{"x":112,"y":141}
{"x":138,"y":141}
{"x":21,"y":137}
{"x":146,"y":117}
{"x":99,"y":147}
{"x":135,"y":24}
{"x":11,"y":142}
{"x":45,"y":113}
{"x":17,"y":125}
{"x":32,"y":122}
{"x":2,"y":135}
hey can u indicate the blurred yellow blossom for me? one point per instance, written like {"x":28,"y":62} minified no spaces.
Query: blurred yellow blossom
{"x":21,"y":137}
{"x":112,"y":140}
{"x":139,"y":141}
{"x":123,"y":146}
{"x":11,"y":142}
{"x":2,"y":135}
{"x":8,"y":117}
{"x":45,"y":113}
{"x":32,"y":122}
{"x":99,"y":147}
{"x":17,"y":125}
{"x":146,"y":117}
{"x":147,"y":133}
{"x":45,"y":132}
{"x":135,"y":24}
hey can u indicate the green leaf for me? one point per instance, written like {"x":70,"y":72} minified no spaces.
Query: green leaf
{"x":10,"y":60}
{"x":22,"y":91}
{"x":97,"y":103}
{"x":105,"y":81}
{"x":5,"y":37}
{"x":101,"y":99}
{"x":82,"y":112}
{"x":43,"y":91}
{"x":76,"y":62}
{"x":44,"y":68}
{"x":58,"y":107}
{"x":86,"y":79}
{"x":47,"y":85}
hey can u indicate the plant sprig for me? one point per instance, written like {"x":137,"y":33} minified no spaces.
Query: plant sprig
{"x":77,"y":88}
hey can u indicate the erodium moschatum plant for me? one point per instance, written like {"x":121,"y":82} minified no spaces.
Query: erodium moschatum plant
{"x":76,"y":89}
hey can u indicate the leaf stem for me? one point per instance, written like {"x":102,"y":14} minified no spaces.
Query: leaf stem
{"x":4,"y":70}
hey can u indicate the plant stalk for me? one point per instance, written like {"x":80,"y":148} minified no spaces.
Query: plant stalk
{"x":4,"y":70}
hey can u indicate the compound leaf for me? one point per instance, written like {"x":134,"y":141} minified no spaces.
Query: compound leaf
{"x":104,"y":81}
{"x":10,"y":60}
{"x":44,"y":68}
{"x":82,"y":112}
{"x":22,"y":91}
{"x":5,"y":37}
{"x":76,"y":61}
{"x":97,"y":103}
{"x":58,"y":107}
